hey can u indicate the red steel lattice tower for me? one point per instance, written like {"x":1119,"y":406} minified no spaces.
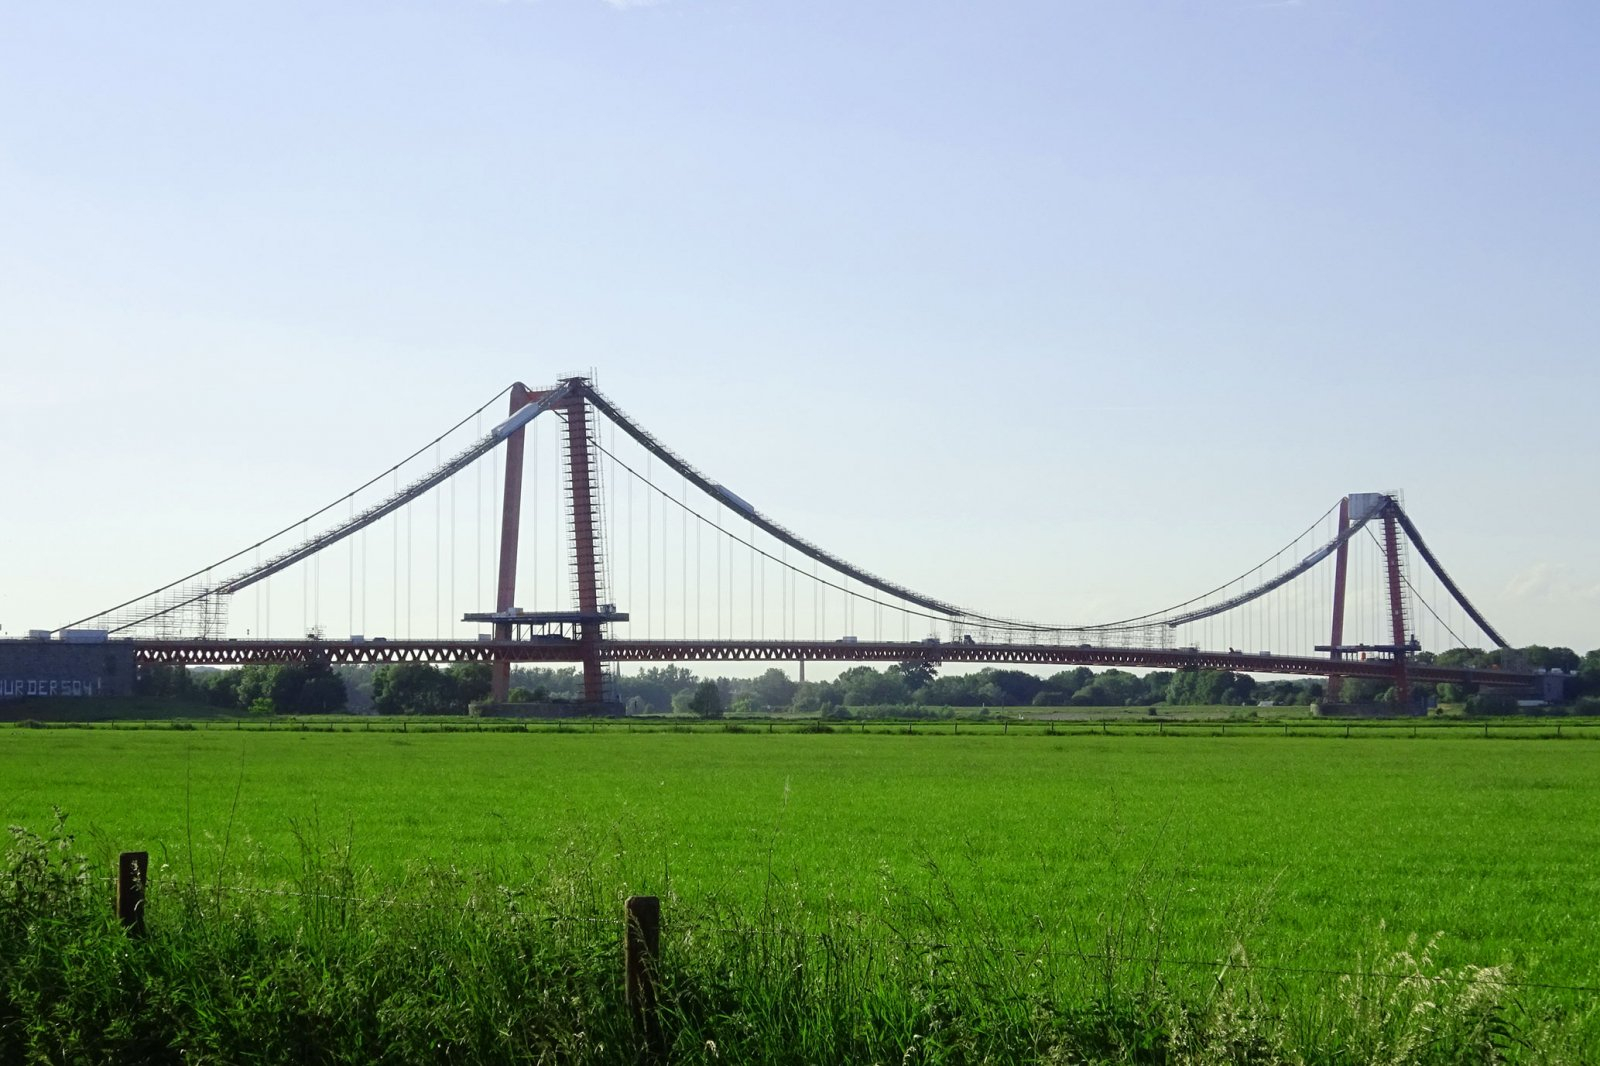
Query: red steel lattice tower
{"x":1394,"y":572}
{"x":583,"y":513}
{"x":1397,"y":605}
{"x":583,"y":510}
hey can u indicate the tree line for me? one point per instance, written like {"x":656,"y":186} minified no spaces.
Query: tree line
{"x":317,"y":688}
{"x":912,"y":687}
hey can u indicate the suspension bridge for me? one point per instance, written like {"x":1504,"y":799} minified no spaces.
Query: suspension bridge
{"x":634,"y":556}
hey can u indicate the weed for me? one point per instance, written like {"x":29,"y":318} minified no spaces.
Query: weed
{"x":451,"y":965}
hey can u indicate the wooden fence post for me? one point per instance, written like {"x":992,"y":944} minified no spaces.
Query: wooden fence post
{"x":641,"y":947}
{"x":133,"y":870}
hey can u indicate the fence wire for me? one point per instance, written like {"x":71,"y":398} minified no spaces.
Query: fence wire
{"x":1243,"y":727}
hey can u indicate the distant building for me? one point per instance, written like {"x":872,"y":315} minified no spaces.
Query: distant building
{"x":78,"y":667}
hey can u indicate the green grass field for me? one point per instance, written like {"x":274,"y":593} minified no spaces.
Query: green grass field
{"x":1302,"y":852}
{"x":1493,"y":843}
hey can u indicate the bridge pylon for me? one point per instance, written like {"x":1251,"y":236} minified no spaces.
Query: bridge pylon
{"x":1341,"y":572}
{"x":1398,"y":615}
{"x":583,"y":511}
{"x":583,"y":523}
{"x":510,"y":534}
{"x":1360,"y":507}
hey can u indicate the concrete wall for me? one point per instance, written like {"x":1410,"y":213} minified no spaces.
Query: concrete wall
{"x":51,"y":668}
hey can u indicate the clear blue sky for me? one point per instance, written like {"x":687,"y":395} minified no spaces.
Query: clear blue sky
{"x":1062,"y":309}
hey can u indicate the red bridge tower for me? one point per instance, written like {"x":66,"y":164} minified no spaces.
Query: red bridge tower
{"x":583,"y":524}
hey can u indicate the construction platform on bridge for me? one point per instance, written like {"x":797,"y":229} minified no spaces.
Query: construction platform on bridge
{"x":519,"y":617}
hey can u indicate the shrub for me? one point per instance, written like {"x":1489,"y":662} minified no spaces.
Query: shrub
{"x":1487,"y":704}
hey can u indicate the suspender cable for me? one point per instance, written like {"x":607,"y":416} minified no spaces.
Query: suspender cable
{"x":350,"y":568}
{"x":477,"y":532}
{"x":816,"y":602}
{"x":628,"y":497}
{"x":649,"y":529}
{"x":241,"y":581}
{"x":683,"y":535}
{"x":305,"y":593}
{"x":411,"y":583}
{"x":532,"y":439}
{"x":438,"y":557}
{"x":453,"y":615}
{"x":394,"y":577}
{"x":496,"y":518}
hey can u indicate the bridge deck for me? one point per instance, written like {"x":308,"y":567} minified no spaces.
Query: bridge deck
{"x":253,"y":652}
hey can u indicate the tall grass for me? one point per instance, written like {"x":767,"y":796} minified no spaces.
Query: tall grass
{"x":443,"y":965}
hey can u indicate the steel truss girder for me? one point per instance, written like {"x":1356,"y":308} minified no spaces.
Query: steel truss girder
{"x":339,"y":653}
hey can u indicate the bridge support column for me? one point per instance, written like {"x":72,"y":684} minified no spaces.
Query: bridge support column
{"x":1341,"y":570}
{"x":510,"y":531}
{"x":1397,"y":607}
{"x":585,"y":562}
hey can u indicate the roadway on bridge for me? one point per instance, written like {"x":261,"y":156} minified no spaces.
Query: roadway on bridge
{"x":337,"y":653}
